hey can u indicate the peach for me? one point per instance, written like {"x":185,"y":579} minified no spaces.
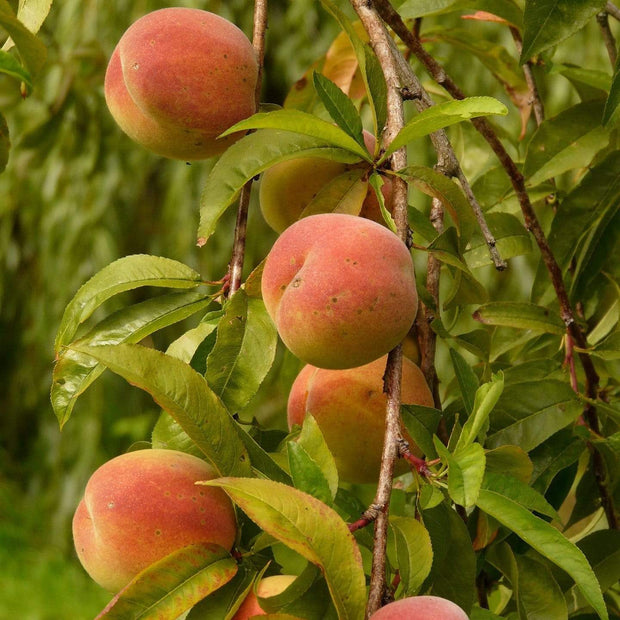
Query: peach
{"x":269,"y":586}
{"x":287,"y":188}
{"x":143,"y":505}
{"x":349,"y":407}
{"x":178,"y":78}
{"x":340,"y":290}
{"x":420,"y":608}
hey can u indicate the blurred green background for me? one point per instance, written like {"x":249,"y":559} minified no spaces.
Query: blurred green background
{"x":78,"y":194}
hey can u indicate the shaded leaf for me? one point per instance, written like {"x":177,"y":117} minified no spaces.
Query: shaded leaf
{"x":548,"y":541}
{"x":507,"y":9}
{"x":9,"y":65}
{"x":122,"y":275}
{"x":466,"y":378}
{"x":613,"y":100}
{"x":173,"y":585}
{"x":510,"y":461}
{"x":421,"y":423}
{"x":414,"y":552}
{"x":5,"y":143}
{"x":309,"y":527}
{"x":184,"y":394}
{"x":520,"y":315}
{"x":343,"y":194}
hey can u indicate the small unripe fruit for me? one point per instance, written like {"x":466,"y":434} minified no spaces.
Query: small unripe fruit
{"x":269,"y":586}
{"x":178,"y":78}
{"x":420,"y":608}
{"x":140,"y":507}
{"x":340,"y":290}
{"x":349,"y":408}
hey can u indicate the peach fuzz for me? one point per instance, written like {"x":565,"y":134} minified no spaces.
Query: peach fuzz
{"x":143,"y":505}
{"x":349,"y":407}
{"x":287,"y":188}
{"x":269,"y":586}
{"x":420,"y":608}
{"x":178,"y":78}
{"x":340,"y":290}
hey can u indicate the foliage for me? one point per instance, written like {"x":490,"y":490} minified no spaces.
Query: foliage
{"x":513,"y":513}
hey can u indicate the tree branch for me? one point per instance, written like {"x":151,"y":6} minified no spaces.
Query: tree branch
{"x":613,"y":10}
{"x":536,"y":101}
{"x":610,"y":42}
{"x":235,"y":267}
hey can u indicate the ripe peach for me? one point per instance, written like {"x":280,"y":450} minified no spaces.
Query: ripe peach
{"x":349,"y":407}
{"x":340,"y":289}
{"x":142,"y":506}
{"x":287,"y":188}
{"x":178,"y":78}
{"x":420,"y":608}
{"x":269,"y":586}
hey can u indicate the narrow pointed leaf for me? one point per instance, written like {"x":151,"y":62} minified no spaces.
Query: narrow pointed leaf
{"x":244,"y":351}
{"x":522,"y":316}
{"x":467,"y":379}
{"x":306,"y":473}
{"x":253,"y":154}
{"x":170,"y":587}
{"x":465,"y":471}
{"x":9,"y":65}
{"x":310,"y":528}
{"x":443,"y":115}
{"x":343,"y":194}
{"x":549,"y":22}
{"x":122,"y":275}
{"x":31,"y":49}
{"x":613,"y":100}
{"x":184,"y":394}
{"x":340,"y":107}
{"x":414,"y":552}
{"x":548,"y":541}
{"x":32,"y":14}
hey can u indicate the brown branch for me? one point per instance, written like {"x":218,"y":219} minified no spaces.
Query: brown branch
{"x":438,"y":73}
{"x":235,"y":268}
{"x":608,"y":37}
{"x":535,"y":100}
{"x":612,"y":10}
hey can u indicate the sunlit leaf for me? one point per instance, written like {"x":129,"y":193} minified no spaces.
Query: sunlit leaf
{"x":521,"y":315}
{"x":31,"y":49}
{"x":413,"y":552}
{"x":465,"y":471}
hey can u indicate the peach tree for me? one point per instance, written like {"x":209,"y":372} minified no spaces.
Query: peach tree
{"x":496,"y":218}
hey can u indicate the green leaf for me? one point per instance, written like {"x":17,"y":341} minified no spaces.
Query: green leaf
{"x":343,"y":194}
{"x":565,"y":142}
{"x":520,"y":492}
{"x":185,"y":395}
{"x":74,"y":372}
{"x":31,"y":50}
{"x":557,"y":453}
{"x":486,"y":398}
{"x":376,"y":182}
{"x":438,"y":186}
{"x":32,"y":14}
{"x":244,"y":351}
{"x":466,"y":378}
{"x":171,"y":586}
{"x":414,"y":553}
{"x":613,"y":100}
{"x":9,"y":65}
{"x":306,"y":473}
{"x":122,"y":275}
{"x":340,"y":107}
{"x":549,"y":22}
{"x":510,"y":461}
{"x":506,"y":9}
{"x":521,"y":315}
{"x":5,"y":143}
{"x":528,"y":413}
{"x":421,"y":423}
{"x":443,"y":115}
{"x":310,"y":528}
{"x":465,"y":471}
{"x":306,"y":125}
{"x":256,"y":152}
{"x":548,"y":541}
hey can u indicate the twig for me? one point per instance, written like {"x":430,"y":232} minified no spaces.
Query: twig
{"x":613,"y":10}
{"x":536,"y":101}
{"x":608,"y":37}
{"x":438,"y":73}
{"x":235,"y":267}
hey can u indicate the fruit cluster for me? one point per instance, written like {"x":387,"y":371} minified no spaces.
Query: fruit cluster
{"x":340,"y":289}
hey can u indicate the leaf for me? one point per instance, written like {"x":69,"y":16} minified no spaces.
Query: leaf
{"x":32,"y":14}
{"x":243,"y":353}
{"x":307,"y":125}
{"x":613,"y":100}
{"x":443,"y":115}
{"x":521,"y":315}
{"x":486,"y":398}
{"x":5,"y":143}
{"x":343,"y":194}
{"x":510,"y":461}
{"x":74,"y":372}
{"x":421,"y":423}
{"x":565,"y":142}
{"x":31,"y":50}
{"x":9,"y":65}
{"x":528,"y":413}
{"x":548,"y":541}
{"x":253,"y":154}
{"x":340,"y":107}
{"x":122,"y":275}
{"x":306,"y":473}
{"x":310,"y":528}
{"x":185,"y":395}
{"x":466,"y":378}
{"x":465,"y":471}
{"x":549,"y":22}
{"x":174,"y":584}
{"x":438,"y":186}
{"x":507,"y":9}
{"x":413,"y":552}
